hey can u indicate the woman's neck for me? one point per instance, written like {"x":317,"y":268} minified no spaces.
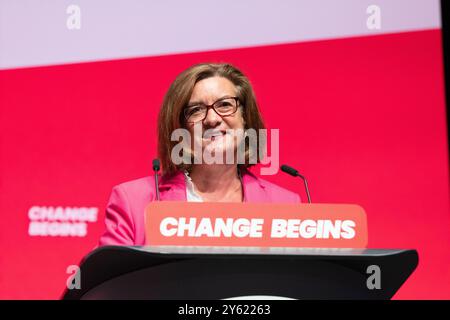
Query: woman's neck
{"x":217,"y":182}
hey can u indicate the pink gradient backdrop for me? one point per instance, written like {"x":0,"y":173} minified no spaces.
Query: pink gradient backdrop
{"x":363,"y":118}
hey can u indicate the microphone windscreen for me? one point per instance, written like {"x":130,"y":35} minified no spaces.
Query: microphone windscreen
{"x":289,"y":170}
{"x":156,"y":165}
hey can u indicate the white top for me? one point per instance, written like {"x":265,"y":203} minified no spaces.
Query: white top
{"x":192,"y":196}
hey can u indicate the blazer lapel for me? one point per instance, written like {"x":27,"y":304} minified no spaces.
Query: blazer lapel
{"x":254,"y":190}
{"x":173,"y":188}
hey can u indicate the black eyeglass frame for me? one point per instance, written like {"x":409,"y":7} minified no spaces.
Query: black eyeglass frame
{"x":211,"y":106}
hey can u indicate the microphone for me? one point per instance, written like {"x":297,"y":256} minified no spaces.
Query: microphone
{"x":156,"y":168}
{"x":294,"y":173}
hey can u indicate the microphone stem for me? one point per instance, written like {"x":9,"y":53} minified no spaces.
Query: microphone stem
{"x":306,"y":187}
{"x":157,"y":185}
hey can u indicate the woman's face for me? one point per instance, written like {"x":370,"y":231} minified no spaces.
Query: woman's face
{"x":214,"y":137}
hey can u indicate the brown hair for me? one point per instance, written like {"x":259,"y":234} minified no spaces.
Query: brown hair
{"x":177,"y":98}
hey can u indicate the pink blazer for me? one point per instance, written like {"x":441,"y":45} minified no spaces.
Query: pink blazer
{"x":124,"y":218}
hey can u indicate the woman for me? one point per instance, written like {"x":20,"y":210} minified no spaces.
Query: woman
{"x":217,"y":99}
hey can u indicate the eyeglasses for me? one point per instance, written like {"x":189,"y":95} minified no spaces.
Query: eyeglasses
{"x":223,"y":107}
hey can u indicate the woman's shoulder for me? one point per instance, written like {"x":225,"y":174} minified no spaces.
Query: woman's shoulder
{"x":146,"y":183}
{"x":274,"y":192}
{"x":145,"y":188}
{"x":136,"y":191}
{"x":279,"y":191}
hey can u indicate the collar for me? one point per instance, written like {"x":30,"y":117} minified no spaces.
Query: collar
{"x":173,"y":187}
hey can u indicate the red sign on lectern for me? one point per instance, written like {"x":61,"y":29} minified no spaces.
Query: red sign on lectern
{"x":170,"y":223}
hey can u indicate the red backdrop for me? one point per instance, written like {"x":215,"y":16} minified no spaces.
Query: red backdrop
{"x":363,"y":118}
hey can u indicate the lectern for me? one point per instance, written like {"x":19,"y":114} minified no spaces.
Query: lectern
{"x":185,"y":273}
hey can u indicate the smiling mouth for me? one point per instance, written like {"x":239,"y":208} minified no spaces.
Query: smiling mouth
{"x":213,"y":135}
